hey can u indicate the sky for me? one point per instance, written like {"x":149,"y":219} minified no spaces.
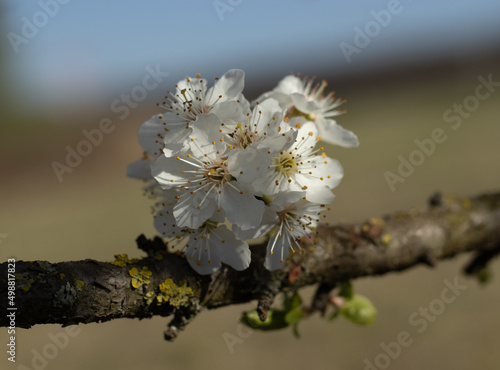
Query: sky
{"x":67,"y":50}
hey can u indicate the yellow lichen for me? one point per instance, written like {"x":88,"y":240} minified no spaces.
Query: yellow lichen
{"x":386,"y":238}
{"x":401,"y":215}
{"x":122,"y":260}
{"x":377,"y":221}
{"x":24,"y":284}
{"x":140,"y":277}
{"x":149,"y":297}
{"x":62,"y":276}
{"x":466,"y":203}
{"x":173,"y":294}
{"x":79,"y":284}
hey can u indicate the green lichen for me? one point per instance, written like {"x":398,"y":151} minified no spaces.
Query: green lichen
{"x":66,"y":295}
{"x":47,"y":266}
{"x":173,"y":294}
{"x":140,"y":278}
{"x":62,"y":276}
{"x":122,"y":260}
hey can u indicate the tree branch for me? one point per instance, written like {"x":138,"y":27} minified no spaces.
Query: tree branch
{"x":91,"y":291}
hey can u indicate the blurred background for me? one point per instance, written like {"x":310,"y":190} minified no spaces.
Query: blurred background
{"x":405,"y":68}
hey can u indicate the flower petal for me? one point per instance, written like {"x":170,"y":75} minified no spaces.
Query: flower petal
{"x":205,"y":140}
{"x":248,"y":164}
{"x":196,"y":86}
{"x":175,"y":141}
{"x":170,"y":172}
{"x":271,"y":184}
{"x":165,"y":223}
{"x":285,"y":199}
{"x":232,"y":252}
{"x":229,"y":111}
{"x":278,"y":249}
{"x":269,"y":221}
{"x":192,"y":210}
{"x":318,"y":193}
{"x":241,"y":207}
{"x":151,"y":136}
{"x":289,"y":85}
{"x":333,"y":133}
{"x":305,"y":106}
{"x":328,"y":171}
{"x":140,"y":169}
{"x":281,"y":142}
{"x":202,"y":257}
{"x":268,"y":111}
{"x":229,"y":86}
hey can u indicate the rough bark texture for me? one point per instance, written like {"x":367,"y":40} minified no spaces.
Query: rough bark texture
{"x":91,"y":291}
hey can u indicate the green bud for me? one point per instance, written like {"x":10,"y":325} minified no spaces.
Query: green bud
{"x":346,"y":290}
{"x":359,"y":310}
{"x":275,"y":320}
{"x":484,"y":276}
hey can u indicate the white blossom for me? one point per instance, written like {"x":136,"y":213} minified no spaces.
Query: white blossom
{"x":292,"y":219}
{"x":204,"y":174}
{"x":301,"y":167}
{"x":165,"y":133}
{"x":298,"y":218}
{"x":302,"y":99}
{"x":211,"y":245}
{"x":222,"y":172}
{"x":206,"y":247}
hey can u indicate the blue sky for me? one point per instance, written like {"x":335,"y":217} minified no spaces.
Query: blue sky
{"x":90,"y":49}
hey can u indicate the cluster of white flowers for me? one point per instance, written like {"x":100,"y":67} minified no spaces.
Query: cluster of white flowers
{"x":215,"y":159}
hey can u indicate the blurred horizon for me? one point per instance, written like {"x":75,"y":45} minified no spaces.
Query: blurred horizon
{"x":60,"y":52}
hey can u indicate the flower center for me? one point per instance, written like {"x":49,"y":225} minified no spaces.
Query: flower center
{"x":216,"y":172}
{"x":243,"y":137}
{"x":286,"y":164}
{"x":294,"y":112}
